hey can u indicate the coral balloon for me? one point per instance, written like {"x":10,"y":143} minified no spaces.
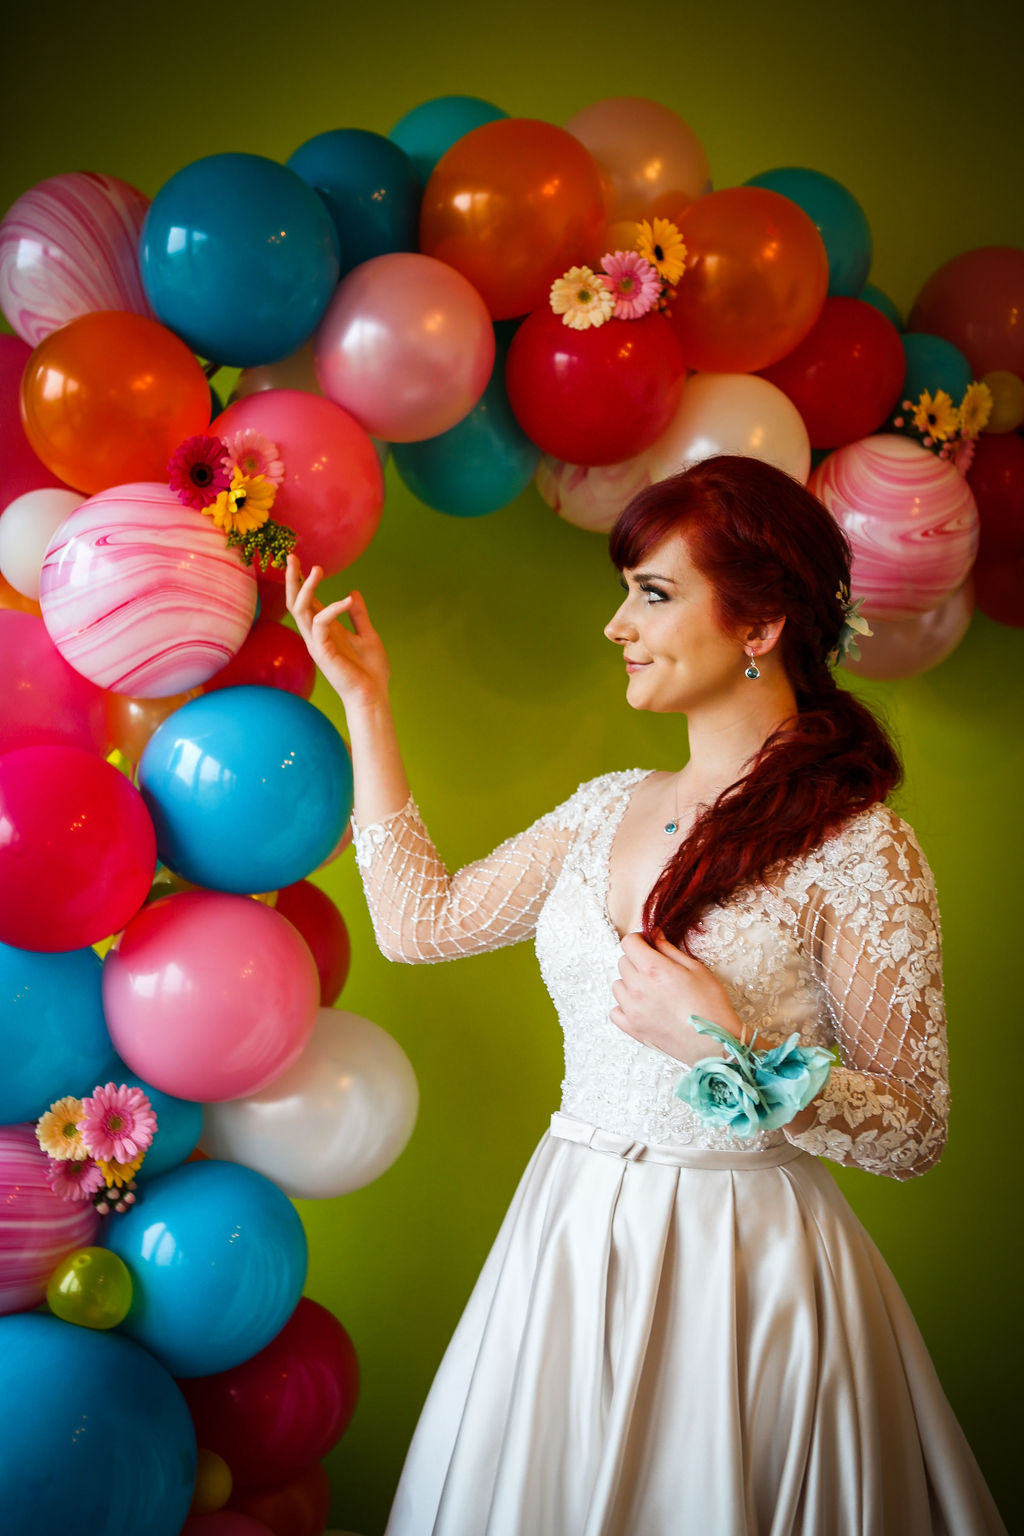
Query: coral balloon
{"x":899,"y":648}
{"x":593,"y":497}
{"x":90,"y":1287}
{"x":596,"y":396}
{"x":44,"y":701}
{"x":142,"y":595}
{"x":210,"y":996}
{"x":732,"y":413}
{"x":300,"y":1507}
{"x":27,"y":525}
{"x":910,"y":518}
{"x":333,"y":487}
{"x":272,"y":656}
{"x":322,"y":926}
{"x":77,"y":849}
{"x":652,"y":162}
{"x":755,"y":280}
{"x":39,"y":1227}
{"x":846,"y":374}
{"x":107,"y":399}
{"x":976,"y":302}
{"x":285,"y":1407}
{"x":838,"y":217}
{"x":996,"y":478}
{"x":406,"y":346}
{"x":68,"y":247}
{"x":511,"y":206}
{"x":21,"y":469}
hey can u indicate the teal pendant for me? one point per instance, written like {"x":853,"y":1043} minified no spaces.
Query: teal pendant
{"x":671,"y":826}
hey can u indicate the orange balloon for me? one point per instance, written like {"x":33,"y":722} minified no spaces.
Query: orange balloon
{"x":755,"y":280}
{"x":131,"y":722}
{"x":512,"y":205}
{"x":10,"y":597}
{"x":652,"y":162}
{"x":106,"y":399}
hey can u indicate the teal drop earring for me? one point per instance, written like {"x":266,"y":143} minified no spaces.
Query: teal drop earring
{"x":751,"y":671}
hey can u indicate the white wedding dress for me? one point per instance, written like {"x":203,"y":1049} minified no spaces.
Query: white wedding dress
{"x":677,"y":1333}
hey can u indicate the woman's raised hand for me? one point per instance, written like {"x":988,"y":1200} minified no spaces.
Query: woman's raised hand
{"x":354,"y":660}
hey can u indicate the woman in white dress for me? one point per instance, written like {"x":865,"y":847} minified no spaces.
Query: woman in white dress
{"x":678,"y":1330}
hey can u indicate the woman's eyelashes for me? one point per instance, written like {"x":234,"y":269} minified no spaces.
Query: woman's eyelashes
{"x":654,"y":594}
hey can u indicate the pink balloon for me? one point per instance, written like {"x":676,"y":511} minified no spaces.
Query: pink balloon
{"x":77,"y":849}
{"x":910,"y":518}
{"x":733,"y":413}
{"x":38,"y":1228}
{"x":333,"y":487}
{"x":406,"y":345}
{"x":68,"y":247}
{"x":43,"y":700}
{"x":591,"y":496}
{"x":899,"y":648}
{"x":210,"y":996}
{"x":20,"y":469}
{"x":142,"y":595}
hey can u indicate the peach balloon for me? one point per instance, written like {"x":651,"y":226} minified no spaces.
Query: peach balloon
{"x":652,"y":162}
{"x":900,"y":648}
{"x":297,"y":371}
{"x":591,"y":496}
{"x":733,"y":413}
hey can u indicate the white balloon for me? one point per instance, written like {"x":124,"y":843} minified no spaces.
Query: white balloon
{"x":336,"y":1120}
{"x":733,"y":413}
{"x":27,"y":525}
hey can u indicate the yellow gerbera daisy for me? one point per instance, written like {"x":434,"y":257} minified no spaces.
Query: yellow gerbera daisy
{"x":663,"y":246}
{"x":582,"y":299}
{"x":936,"y":416}
{"x":119,"y":1174}
{"x":57,"y":1131}
{"x":975,"y":409}
{"x":244,"y":506}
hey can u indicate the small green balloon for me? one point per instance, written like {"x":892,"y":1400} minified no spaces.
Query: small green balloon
{"x":91,"y":1287}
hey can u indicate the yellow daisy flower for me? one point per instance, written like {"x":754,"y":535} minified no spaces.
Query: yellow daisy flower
{"x":244,"y":506}
{"x":663,"y":246}
{"x":57,"y":1131}
{"x":582,"y":299}
{"x":119,"y":1174}
{"x":975,"y":409}
{"x":936,"y":417}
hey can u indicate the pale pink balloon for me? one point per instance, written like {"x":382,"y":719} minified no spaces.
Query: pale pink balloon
{"x":43,"y":701}
{"x":899,"y":648}
{"x":591,"y":497}
{"x":406,"y":345}
{"x":733,"y":413}
{"x":651,"y":161}
{"x":68,"y":247}
{"x":209,"y":996}
{"x":38,"y":1228}
{"x":142,"y":594}
{"x":910,"y":518}
{"x":27,"y":524}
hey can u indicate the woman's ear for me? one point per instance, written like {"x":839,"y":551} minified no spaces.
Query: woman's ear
{"x":764,"y":637}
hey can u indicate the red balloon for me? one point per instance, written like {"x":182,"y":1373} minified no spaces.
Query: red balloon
{"x":272,"y":598}
{"x":996,"y":477}
{"x":999,"y":588}
{"x":43,"y":700}
{"x":313,"y":913}
{"x":976,"y":301}
{"x":846,"y":375}
{"x":272,"y":656}
{"x":77,"y":849}
{"x":300,"y":1507}
{"x":21,"y":469}
{"x":285,"y":1406}
{"x":225,"y":1522}
{"x":596,"y":396}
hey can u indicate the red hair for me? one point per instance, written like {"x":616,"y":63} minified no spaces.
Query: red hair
{"x":769,"y":548}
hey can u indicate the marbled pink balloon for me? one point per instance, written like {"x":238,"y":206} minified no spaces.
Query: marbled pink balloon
{"x":591,"y":497}
{"x":900,"y":648}
{"x":37,"y":1227}
{"x":142,"y":595}
{"x":910,"y":518}
{"x":68,"y":247}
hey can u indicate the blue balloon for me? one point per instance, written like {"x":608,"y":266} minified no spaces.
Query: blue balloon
{"x":934,"y":363}
{"x":369,"y":188}
{"x":179,"y":1125}
{"x":93,"y":1434}
{"x":249,"y":789}
{"x":881,"y":301}
{"x":239,"y":258}
{"x":434,"y":126}
{"x":53,"y":1036}
{"x":840,"y":219}
{"x":218,"y":1260}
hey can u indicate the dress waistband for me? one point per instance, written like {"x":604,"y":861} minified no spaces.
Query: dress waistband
{"x":566,"y":1128}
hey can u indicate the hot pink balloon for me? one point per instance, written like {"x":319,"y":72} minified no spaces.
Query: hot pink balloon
{"x":142,"y":595}
{"x":77,"y":849}
{"x":39,"y":1228}
{"x":68,"y":247}
{"x":20,"y":468}
{"x":210,"y":996}
{"x":899,"y":648}
{"x":42,"y":699}
{"x":406,"y":345}
{"x":333,"y":487}
{"x":591,"y":496}
{"x":910,"y":518}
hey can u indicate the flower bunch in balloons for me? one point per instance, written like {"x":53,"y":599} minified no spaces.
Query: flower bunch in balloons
{"x":234,"y":483}
{"x":950,"y":431}
{"x":96,"y":1145}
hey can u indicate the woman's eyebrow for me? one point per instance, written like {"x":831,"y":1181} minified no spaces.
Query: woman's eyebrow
{"x":653,"y":576}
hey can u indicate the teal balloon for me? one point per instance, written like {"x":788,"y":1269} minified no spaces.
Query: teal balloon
{"x":840,"y":219}
{"x":434,"y":126}
{"x":881,"y":301}
{"x":179,"y":1125}
{"x":218,"y":1258}
{"x":94,"y":1434}
{"x":934,"y":363}
{"x":369,"y":188}
{"x":53,"y":1036}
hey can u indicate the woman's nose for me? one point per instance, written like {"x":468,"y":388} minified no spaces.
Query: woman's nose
{"x":619,"y":629}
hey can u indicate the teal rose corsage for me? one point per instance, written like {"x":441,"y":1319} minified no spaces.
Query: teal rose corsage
{"x":754,"y":1090}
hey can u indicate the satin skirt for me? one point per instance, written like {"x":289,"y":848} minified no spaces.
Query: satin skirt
{"x":672,"y":1341}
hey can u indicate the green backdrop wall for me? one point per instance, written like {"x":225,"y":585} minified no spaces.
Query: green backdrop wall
{"x":506,"y":692}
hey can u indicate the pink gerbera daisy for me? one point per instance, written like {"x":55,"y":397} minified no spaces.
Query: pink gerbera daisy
{"x":117,"y":1123}
{"x":252,"y":454}
{"x":196,"y":471}
{"x":634,"y":282}
{"x":74,"y":1180}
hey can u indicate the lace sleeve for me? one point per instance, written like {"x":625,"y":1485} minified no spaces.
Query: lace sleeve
{"x":422,"y":913}
{"x":873,"y":932}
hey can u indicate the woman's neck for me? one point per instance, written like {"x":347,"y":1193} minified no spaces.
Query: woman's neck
{"x":725,"y":736}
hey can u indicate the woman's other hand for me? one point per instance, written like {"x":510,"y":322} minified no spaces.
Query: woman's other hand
{"x":659,"y":986}
{"x":354,"y":660}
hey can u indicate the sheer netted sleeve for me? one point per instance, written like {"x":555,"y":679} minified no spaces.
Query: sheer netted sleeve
{"x":874,"y":937}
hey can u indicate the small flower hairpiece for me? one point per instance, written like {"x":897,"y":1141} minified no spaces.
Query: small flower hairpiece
{"x":234,"y":482}
{"x":854,"y":624}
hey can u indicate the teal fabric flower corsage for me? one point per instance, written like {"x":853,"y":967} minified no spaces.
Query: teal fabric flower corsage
{"x":755,"y":1090}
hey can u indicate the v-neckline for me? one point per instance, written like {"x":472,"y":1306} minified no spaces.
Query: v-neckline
{"x":611,"y":833}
